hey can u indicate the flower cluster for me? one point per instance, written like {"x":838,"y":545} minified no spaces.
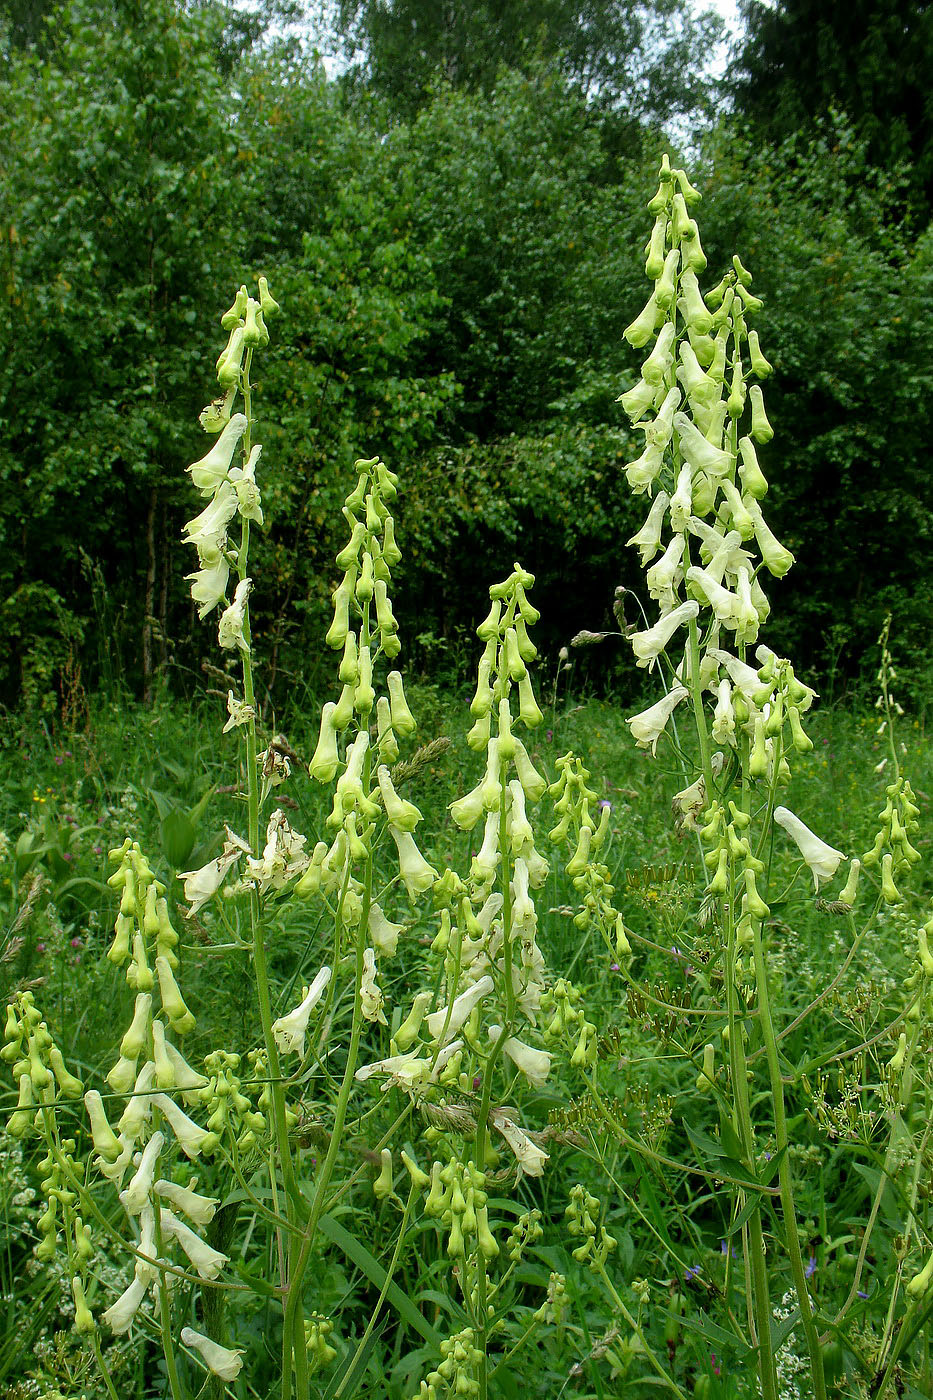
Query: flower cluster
{"x":230,"y":490}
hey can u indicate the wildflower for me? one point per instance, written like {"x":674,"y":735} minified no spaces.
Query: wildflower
{"x":136,"y":1194}
{"x":247,"y":492}
{"x":534,"y":1064}
{"x":383,"y":932}
{"x":230,"y":631}
{"x":120,"y":1314}
{"x":198,"y":1208}
{"x":405,"y":1071}
{"x":370,"y":995}
{"x":208,"y":473}
{"x":648,"y":645}
{"x":207,"y":1261}
{"x":239,"y":711}
{"x":289,"y":1031}
{"x":283,"y":855}
{"x":201,"y":885}
{"x":648,"y":726}
{"x":208,"y":530}
{"x":449,"y":1019}
{"x":810,"y":1269}
{"x":220,"y":1361}
{"x":531,"y":1158}
{"x":823,"y":860}
{"x":417,"y":875}
{"x":192,"y":1139}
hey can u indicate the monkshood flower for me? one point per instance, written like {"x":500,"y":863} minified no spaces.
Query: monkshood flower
{"x":192,"y":1139}
{"x":220,"y":1361}
{"x":198,"y":1208}
{"x":648,"y":726}
{"x":449,"y":1019}
{"x":534,"y":1064}
{"x":248,"y":497}
{"x":210,"y":471}
{"x":136,"y":1194}
{"x":530,"y":1157}
{"x":230,"y":630}
{"x":648,"y":645}
{"x":290,"y":1030}
{"x":823,"y":860}
{"x":207,"y":1261}
{"x":201,"y":885}
{"x":283,"y":855}
{"x":120,"y":1314}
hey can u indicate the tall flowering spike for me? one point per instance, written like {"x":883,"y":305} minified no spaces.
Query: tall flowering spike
{"x":365,"y":633}
{"x":229,"y":486}
{"x":705,"y":539}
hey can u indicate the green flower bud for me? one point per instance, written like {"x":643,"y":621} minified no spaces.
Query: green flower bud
{"x":923,"y":950}
{"x":403,"y":814}
{"x":528,"y":711}
{"x":753,"y":902}
{"x":919,"y":1284}
{"x":269,"y":306}
{"x":753,"y":479}
{"x":656,"y":366}
{"x":172,"y":1001}
{"x":390,"y":550}
{"x":139,"y":974}
{"x":383,"y":1185}
{"x":665,"y":289}
{"x":742,"y":273}
{"x":889,"y":891}
{"x":760,"y":366}
{"x":68,"y":1083}
{"x":164,"y":1069}
{"x":691,"y":304}
{"x":337,"y":633}
{"x":654,"y":249}
{"x":762,"y":430}
{"x":640,"y":331}
{"x":254,"y":331}
{"x":384,"y":616}
{"x":230,"y":362}
{"x":849,"y":890}
{"x":708,"y":1073}
{"x":350,"y":554}
{"x":366,"y":581}
{"x":386,"y":741}
{"x":237,"y":311}
{"x":364,"y":695}
{"x":689,"y":192}
{"x":402,"y":719}
{"x":134,"y":1041}
{"x":666,"y":188}
{"x":506,"y":742}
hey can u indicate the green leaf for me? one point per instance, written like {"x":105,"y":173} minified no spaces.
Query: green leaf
{"x":725,"y":1341}
{"x":178,"y":837}
{"x":358,"y":1254}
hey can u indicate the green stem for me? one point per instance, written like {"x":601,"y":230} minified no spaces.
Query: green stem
{"x":406,"y":1215}
{"x":623,"y":1310}
{"x":103,"y":1368}
{"x":784,"y":1172}
{"x":495,"y":1052}
{"x":300,"y":1260}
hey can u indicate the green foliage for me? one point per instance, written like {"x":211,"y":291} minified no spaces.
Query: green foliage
{"x":843,"y":288}
{"x":798,"y":59}
{"x":645,"y":58}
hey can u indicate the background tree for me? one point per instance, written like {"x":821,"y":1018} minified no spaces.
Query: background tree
{"x":643,"y":59}
{"x":799,"y":58}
